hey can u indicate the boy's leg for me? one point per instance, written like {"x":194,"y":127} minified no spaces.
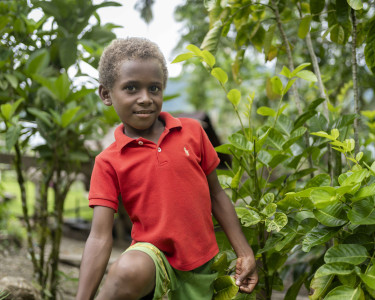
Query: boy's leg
{"x":132,"y":276}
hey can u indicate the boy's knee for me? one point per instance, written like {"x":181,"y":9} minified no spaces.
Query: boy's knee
{"x":132,"y":276}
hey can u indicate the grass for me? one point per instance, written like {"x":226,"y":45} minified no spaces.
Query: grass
{"x":76,"y":203}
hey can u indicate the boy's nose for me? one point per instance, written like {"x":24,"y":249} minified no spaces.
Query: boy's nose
{"x":144,"y":97}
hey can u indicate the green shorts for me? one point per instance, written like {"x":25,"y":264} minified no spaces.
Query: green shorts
{"x":178,"y":285}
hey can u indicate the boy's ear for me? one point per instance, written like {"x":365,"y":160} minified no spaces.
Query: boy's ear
{"x":105,"y":95}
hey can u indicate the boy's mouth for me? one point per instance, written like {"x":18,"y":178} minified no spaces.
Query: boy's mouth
{"x":144,"y":112}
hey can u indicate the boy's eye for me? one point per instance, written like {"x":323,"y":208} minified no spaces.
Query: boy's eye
{"x":130,"y":88}
{"x":154,"y":89}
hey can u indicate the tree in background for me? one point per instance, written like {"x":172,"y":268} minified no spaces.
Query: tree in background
{"x":47,"y":113}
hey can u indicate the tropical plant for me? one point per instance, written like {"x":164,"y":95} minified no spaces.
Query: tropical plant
{"x":46,"y":112}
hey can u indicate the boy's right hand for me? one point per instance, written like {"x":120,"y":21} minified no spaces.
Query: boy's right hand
{"x":246,"y":274}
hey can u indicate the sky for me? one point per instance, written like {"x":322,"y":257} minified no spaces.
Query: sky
{"x":162,"y":30}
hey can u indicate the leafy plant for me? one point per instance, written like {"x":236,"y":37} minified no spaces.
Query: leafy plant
{"x":282,"y":215}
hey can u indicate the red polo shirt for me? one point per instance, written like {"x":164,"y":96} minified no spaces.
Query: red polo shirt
{"x":163,"y":188}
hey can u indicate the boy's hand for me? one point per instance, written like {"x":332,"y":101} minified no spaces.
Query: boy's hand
{"x":246,"y":274}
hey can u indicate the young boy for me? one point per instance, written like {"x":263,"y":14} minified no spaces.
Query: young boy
{"x":164,"y":170}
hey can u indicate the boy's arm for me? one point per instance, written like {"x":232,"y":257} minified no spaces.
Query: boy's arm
{"x":96,"y":254}
{"x":224,"y":212}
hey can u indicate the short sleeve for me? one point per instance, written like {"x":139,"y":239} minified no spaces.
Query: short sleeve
{"x":104,"y":188}
{"x":209,"y":158}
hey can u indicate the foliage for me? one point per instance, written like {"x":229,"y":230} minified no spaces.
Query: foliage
{"x":45,"y":112}
{"x":287,"y":217}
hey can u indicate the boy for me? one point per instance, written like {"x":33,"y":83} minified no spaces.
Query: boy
{"x":164,"y":170}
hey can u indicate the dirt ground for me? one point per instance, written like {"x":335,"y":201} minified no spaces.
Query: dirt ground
{"x":15,"y":262}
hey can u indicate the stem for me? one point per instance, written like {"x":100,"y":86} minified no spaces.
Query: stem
{"x":355,"y":79}
{"x":21,"y":184}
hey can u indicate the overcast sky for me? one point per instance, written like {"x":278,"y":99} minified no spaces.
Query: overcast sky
{"x":163,"y":30}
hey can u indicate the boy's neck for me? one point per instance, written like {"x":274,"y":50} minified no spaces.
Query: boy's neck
{"x":152,"y":134}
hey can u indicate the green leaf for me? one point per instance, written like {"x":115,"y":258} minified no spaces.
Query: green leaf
{"x":269,"y":210}
{"x":369,"y":277}
{"x":247,"y":217}
{"x":304,"y":26}
{"x":12,"y":80}
{"x":299,"y":68}
{"x":62,"y":85}
{"x":323,"y":196}
{"x":240,"y":142}
{"x":194,"y":49}
{"x":276,"y":139}
{"x":332,"y":215}
{"x":277,"y":222}
{"x":183,"y":57}
{"x":42,"y":115}
{"x":68,"y":51}
{"x":319,"y":180}
{"x":286,"y":72}
{"x":288,"y":85}
{"x":353,"y":254}
{"x":277,"y":85}
{"x":11,"y":136}
{"x":220,"y":75}
{"x":370,"y":47}
{"x":307,"y":75}
{"x":236,"y":179}
{"x":337,"y":268}
{"x":6,"y":111}
{"x":266,"y":111}
{"x":317,"y":6}
{"x":363,"y":212}
{"x":365,"y":192}
{"x":359,"y":156}
{"x":296,"y":135}
{"x":345,"y":292}
{"x":356,"y":177}
{"x":318,"y":236}
{"x":234,"y":96}
{"x":208,"y":58}
{"x":212,"y":38}
{"x":323,"y":134}
{"x":320,"y":286}
{"x":68,"y":116}
{"x":37,"y":61}
{"x":355,"y":4}
{"x":225,"y":288}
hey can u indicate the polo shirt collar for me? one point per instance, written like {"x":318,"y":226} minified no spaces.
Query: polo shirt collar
{"x":122,"y":140}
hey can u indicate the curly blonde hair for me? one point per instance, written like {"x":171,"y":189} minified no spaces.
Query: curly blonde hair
{"x":131,"y":48}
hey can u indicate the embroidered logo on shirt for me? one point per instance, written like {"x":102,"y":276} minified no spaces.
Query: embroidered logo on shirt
{"x":186,"y":151}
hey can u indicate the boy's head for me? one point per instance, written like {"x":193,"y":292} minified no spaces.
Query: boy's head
{"x":121,"y":50}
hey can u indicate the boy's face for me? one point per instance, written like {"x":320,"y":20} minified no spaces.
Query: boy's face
{"x":137,"y":95}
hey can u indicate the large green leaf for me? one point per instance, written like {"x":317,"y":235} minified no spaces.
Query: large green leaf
{"x":234,"y":96}
{"x":320,"y":286}
{"x":319,"y":180}
{"x":356,"y":177}
{"x":220,"y":75}
{"x":37,"y":61}
{"x":332,"y":215}
{"x":365,"y":192}
{"x":369,"y":277}
{"x":68,"y":116}
{"x":323,"y":197}
{"x":295,"y":136}
{"x":345,"y":292}
{"x":304,"y":27}
{"x":12,"y":135}
{"x":68,"y":51}
{"x":248,"y":217}
{"x":363,"y":212}
{"x":277,"y":222}
{"x":284,"y":124}
{"x":239,"y":141}
{"x":212,"y":37}
{"x":370,"y":47}
{"x":338,"y":268}
{"x":183,"y":57}
{"x":355,"y":4}
{"x":348,"y":253}
{"x":318,"y":236}
{"x":225,"y":288}
{"x":275,"y":139}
